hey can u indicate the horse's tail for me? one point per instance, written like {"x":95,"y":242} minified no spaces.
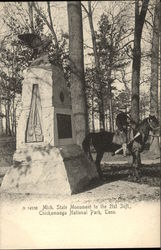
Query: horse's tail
{"x":86,"y":146}
{"x":86,"y":143}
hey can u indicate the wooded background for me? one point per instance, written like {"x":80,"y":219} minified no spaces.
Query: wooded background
{"x":108,"y":50}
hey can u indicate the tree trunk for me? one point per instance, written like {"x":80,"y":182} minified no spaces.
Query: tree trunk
{"x":7,"y":110}
{"x":154,"y":147}
{"x":110,"y":127}
{"x":13,"y":121}
{"x":136,"y":69}
{"x":155,"y":64}
{"x":139,"y":22}
{"x":160,"y":72}
{"x":93,"y":126}
{"x":111,"y":110}
{"x":97,"y":64}
{"x":77,"y":80}
{"x":101,"y":112}
{"x":1,"y":119}
{"x":31,"y":17}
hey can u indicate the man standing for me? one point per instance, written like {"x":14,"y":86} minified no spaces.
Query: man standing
{"x":122,"y":121}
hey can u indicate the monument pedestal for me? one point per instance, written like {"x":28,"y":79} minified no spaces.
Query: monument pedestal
{"x":49,"y":170}
{"x":47,"y":160}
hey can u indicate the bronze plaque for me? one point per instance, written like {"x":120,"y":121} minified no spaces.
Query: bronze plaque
{"x":64,"y":126}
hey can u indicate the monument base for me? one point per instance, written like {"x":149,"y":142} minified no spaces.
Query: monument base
{"x":49,"y":170}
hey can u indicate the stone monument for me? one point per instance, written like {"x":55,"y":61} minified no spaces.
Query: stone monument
{"x":47,"y":159}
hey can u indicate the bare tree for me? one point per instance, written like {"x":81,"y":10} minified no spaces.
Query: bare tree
{"x":154,"y":148}
{"x":139,"y":22}
{"x":1,"y":122}
{"x":48,"y":21}
{"x":155,"y":63}
{"x":31,"y":17}
{"x":76,"y":58}
{"x":89,"y":13}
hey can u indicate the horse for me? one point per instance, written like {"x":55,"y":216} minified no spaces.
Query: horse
{"x":113,"y":142}
{"x":103,"y":141}
{"x":140,"y":137}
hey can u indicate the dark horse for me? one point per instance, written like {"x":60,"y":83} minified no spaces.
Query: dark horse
{"x":111,"y":142}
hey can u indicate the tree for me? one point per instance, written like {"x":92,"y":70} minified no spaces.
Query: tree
{"x":77,"y":69}
{"x":1,"y":116}
{"x":23,"y":18}
{"x":155,"y":63}
{"x":49,"y":22}
{"x":97,"y":66}
{"x":10,"y":86}
{"x":14,"y":58}
{"x":154,"y":148}
{"x":160,"y":71}
{"x":109,"y":46}
{"x":90,"y":95}
{"x":111,"y":49}
{"x":139,"y":22}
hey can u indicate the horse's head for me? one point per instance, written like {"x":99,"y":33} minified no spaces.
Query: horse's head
{"x":153,"y":123}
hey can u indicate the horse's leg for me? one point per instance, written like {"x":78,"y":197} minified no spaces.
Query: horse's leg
{"x":133,"y":162}
{"x":124,"y":147}
{"x":124,"y":139}
{"x":89,"y":155}
{"x":98,"y":161}
{"x":136,"y":163}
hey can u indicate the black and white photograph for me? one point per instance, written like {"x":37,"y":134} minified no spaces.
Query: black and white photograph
{"x":80,"y":124}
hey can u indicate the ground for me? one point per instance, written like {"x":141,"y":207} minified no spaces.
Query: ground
{"x":118,"y":183}
{"x":118,"y":211}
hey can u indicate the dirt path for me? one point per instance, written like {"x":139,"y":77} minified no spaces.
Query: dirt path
{"x":118,"y":182}
{"x":116,"y":212}
{"x":118,"y":185}
{"x":111,"y":189}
